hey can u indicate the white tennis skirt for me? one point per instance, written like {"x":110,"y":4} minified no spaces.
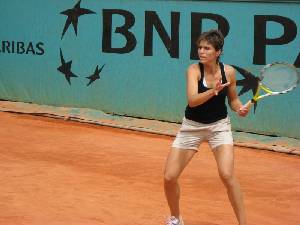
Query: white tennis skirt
{"x":192,"y":134}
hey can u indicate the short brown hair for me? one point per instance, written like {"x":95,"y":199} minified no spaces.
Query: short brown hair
{"x":213,"y":37}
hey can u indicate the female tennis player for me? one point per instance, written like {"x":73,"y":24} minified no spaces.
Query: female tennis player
{"x":209,"y":82}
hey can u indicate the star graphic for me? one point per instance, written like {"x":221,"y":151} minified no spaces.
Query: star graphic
{"x":73,"y":15}
{"x":249,"y":83}
{"x":95,"y":76}
{"x":65,"y":68}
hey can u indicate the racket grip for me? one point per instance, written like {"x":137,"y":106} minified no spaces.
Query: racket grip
{"x":249,"y":104}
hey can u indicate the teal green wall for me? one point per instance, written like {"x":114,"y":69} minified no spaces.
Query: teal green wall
{"x":131,"y":83}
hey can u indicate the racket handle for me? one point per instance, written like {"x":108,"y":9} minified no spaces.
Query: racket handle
{"x":249,"y":104}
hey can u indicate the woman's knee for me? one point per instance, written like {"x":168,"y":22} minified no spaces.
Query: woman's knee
{"x":170,"y":177}
{"x":226,"y":176}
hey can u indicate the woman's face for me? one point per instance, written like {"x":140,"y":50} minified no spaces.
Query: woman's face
{"x":207,"y":52}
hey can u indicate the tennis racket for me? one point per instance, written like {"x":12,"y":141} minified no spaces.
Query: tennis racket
{"x":274,"y":79}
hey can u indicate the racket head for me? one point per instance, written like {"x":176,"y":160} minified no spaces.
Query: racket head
{"x":279,"y":77}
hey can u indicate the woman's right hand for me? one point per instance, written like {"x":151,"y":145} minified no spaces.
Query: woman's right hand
{"x":219,"y":86}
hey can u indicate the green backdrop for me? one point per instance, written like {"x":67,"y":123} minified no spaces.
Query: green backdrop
{"x":140,"y":51}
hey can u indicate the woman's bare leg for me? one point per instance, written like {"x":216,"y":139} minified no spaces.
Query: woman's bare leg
{"x":224,"y":156}
{"x":176,"y":162}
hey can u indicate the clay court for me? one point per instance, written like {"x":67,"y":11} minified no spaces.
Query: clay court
{"x":56,"y":172}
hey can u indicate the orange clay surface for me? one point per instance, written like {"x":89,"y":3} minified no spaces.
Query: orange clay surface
{"x":55,"y":172}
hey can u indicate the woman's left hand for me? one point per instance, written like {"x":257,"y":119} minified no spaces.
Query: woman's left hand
{"x":243,"y":111}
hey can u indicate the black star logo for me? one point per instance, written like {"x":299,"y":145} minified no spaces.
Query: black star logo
{"x":73,"y":15}
{"x":249,"y":83}
{"x":65,"y":68}
{"x":95,"y":76}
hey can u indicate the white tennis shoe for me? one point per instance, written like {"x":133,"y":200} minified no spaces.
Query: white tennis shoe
{"x":172,"y":220}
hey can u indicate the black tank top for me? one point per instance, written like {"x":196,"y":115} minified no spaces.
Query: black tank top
{"x":212,"y":110}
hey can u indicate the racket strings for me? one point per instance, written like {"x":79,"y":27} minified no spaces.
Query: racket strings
{"x":280,"y":78}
